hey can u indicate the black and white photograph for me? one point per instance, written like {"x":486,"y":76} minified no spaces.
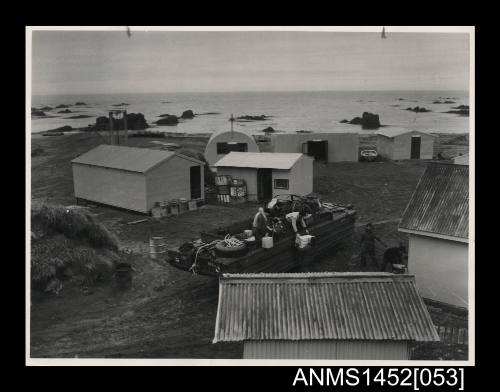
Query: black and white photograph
{"x":215,"y":195}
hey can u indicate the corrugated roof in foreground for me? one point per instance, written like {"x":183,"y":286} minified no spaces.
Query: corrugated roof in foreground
{"x":339,"y":306}
{"x":126,"y":158}
{"x":259,"y":160}
{"x":440,"y":202}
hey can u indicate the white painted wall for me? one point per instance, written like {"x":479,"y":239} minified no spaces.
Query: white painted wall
{"x":440,"y":268}
{"x":326,"y":349}
{"x":342,"y":147}
{"x":300,"y":177}
{"x":171,"y":180}
{"x":116,"y":188}
{"x":399,"y":147}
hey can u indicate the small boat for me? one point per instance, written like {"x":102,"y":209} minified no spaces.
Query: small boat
{"x":330,"y":226}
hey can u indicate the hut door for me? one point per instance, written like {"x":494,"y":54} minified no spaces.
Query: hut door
{"x":415,"y":147}
{"x":264,"y":184}
{"x":195,"y":181}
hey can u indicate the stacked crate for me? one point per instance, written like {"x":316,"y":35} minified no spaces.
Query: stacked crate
{"x":230,"y":190}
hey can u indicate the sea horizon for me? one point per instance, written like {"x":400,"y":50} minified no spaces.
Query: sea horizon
{"x":287,"y":111}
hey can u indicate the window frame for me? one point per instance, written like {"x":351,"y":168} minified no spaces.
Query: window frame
{"x":281,"y":179}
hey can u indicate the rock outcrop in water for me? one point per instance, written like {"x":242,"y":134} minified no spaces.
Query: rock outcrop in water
{"x":187,"y":114}
{"x":37,"y":113}
{"x":121,"y":104}
{"x":135,"y":122}
{"x":463,"y":110}
{"x":62,"y":106}
{"x":169,"y":119}
{"x":261,"y":117}
{"x":367,"y":121}
{"x":79,"y":116}
{"x":65,"y":111}
{"x":418,"y":109}
{"x":80,"y":104}
{"x":268,"y":130}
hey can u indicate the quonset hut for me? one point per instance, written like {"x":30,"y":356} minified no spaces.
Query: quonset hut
{"x":223,"y":142}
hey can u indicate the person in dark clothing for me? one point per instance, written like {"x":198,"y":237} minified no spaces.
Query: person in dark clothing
{"x":367,"y":244}
{"x":395,"y":255}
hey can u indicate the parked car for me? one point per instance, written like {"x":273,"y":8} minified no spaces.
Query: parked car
{"x":369,"y":155}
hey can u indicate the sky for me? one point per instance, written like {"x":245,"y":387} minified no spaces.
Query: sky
{"x":96,"y":62}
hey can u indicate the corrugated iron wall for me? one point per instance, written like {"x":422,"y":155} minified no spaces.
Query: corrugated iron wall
{"x":326,"y":349}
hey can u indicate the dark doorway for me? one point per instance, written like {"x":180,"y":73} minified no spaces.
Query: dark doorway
{"x":415,"y":147}
{"x":264,"y":184}
{"x":317,"y":149}
{"x":195,"y":181}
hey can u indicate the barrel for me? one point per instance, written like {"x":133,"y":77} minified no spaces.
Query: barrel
{"x":123,"y":276}
{"x":183,"y":205}
{"x":157,"y":247}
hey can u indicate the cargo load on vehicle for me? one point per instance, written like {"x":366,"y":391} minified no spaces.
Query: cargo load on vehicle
{"x":234,"y":249}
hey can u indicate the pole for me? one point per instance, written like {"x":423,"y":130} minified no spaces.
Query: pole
{"x":125,"y":130}
{"x":111,"y":141}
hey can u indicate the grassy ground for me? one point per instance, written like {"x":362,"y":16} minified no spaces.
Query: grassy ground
{"x":170,"y":313}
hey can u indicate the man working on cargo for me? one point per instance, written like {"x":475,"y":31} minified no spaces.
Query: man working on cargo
{"x":259,"y":226}
{"x":394,"y":256}
{"x":295,"y":216}
{"x":367,"y":244}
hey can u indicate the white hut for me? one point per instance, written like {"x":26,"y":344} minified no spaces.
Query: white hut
{"x":268,"y":174}
{"x":223,"y":142}
{"x":437,"y":222}
{"x":397,"y":144}
{"x":136,"y":178}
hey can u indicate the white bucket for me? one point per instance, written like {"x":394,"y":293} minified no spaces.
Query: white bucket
{"x":267,"y":242}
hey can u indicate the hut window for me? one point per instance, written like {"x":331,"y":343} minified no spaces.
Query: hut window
{"x":226,"y":148}
{"x":280,"y":183}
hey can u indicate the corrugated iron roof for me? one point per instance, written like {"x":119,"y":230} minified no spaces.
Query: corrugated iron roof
{"x":339,"y":306}
{"x":126,"y":158}
{"x":440,"y":202}
{"x":393,"y":132}
{"x":259,"y":160}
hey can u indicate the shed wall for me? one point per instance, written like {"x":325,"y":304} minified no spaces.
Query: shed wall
{"x":300,"y":177}
{"x":211,"y":155}
{"x":326,"y":349}
{"x":402,"y":146}
{"x":114,"y":187}
{"x":341,"y":146}
{"x":440,"y":267}
{"x":171,"y":180}
{"x":399,"y":147}
{"x":385,"y":146}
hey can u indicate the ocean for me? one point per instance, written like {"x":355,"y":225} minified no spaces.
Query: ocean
{"x":318,"y":111}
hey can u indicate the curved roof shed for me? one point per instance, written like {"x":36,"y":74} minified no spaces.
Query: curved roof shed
{"x":223,"y":142}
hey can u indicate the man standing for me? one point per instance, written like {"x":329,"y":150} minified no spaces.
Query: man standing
{"x":259,"y":224}
{"x":367,"y":244}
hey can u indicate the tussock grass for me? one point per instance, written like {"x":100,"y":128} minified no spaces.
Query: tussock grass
{"x":69,"y":244}
{"x":74,"y":224}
